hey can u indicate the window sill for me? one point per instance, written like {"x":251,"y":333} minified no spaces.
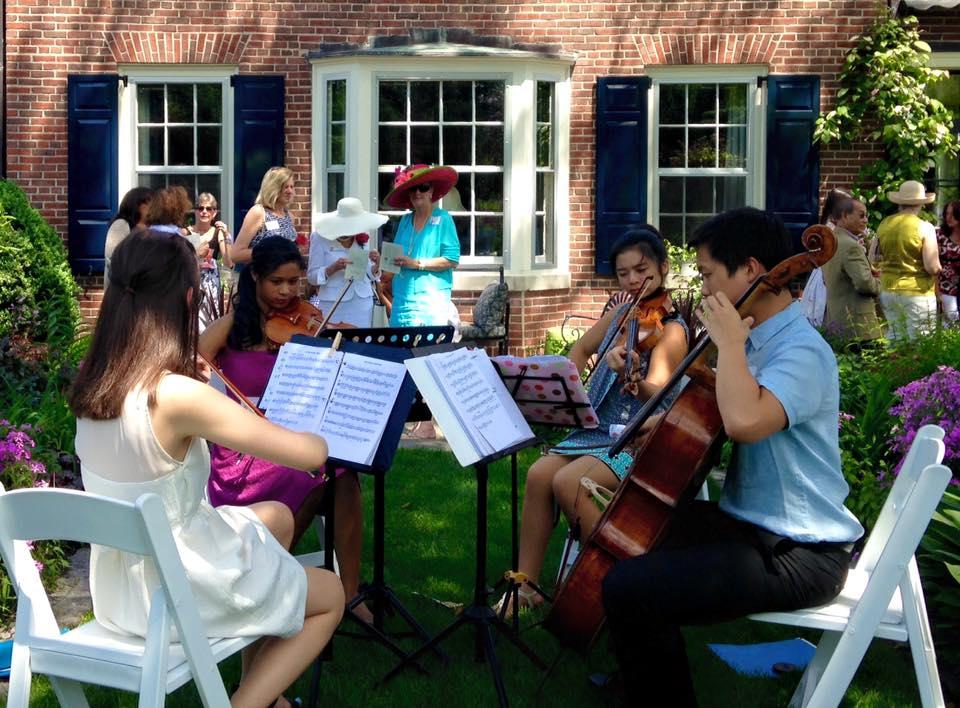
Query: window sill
{"x":517,"y":282}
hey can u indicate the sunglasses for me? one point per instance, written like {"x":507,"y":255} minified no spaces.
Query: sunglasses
{"x":425,"y":187}
{"x":211,"y":209}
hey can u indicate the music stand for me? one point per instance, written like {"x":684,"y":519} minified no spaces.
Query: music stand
{"x":394,"y":344}
{"x":478,"y":613}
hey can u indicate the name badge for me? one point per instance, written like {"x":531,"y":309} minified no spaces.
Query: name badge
{"x":271,"y":225}
{"x":435,"y":220}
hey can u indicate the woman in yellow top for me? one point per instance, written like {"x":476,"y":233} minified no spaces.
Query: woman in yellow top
{"x":909,"y":263}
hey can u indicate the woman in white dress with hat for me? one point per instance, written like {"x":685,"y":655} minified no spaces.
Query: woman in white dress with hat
{"x":341,"y":236}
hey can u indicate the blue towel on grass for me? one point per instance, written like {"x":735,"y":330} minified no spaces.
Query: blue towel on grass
{"x":758,"y":659}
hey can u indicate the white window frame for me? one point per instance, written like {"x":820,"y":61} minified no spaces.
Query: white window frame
{"x":520,"y":74}
{"x":176,"y":74}
{"x":322,"y":108}
{"x":950,"y":61}
{"x":750,"y":75}
{"x":545,"y":261}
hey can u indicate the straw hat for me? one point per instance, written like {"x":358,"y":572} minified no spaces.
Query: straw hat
{"x":350,"y":218}
{"x":440,"y":176}
{"x":911,"y":193}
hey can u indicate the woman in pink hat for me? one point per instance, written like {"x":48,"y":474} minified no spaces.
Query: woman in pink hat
{"x":431,"y":249}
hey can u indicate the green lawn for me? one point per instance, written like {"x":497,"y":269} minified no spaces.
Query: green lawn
{"x":430,"y":504}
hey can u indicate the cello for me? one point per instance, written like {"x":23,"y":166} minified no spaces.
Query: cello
{"x":670,"y":465}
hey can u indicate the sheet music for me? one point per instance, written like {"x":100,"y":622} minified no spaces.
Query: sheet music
{"x":300,"y":387}
{"x":360,"y":405}
{"x":389,"y":251}
{"x":357,"y":268}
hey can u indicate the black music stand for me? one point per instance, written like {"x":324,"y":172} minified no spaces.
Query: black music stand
{"x":398,"y":342}
{"x":478,"y":613}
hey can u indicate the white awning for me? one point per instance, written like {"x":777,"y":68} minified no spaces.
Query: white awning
{"x":927,"y":4}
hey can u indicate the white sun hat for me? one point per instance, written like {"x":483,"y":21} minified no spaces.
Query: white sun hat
{"x":350,"y":218}
{"x":911,"y":193}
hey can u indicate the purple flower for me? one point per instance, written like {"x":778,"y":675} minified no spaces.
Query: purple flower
{"x":932,"y":399}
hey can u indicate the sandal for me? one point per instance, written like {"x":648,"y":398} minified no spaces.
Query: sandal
{"x":525,"y":601}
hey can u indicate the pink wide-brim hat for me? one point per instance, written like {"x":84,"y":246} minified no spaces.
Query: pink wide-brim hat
{"x":442,"y":178}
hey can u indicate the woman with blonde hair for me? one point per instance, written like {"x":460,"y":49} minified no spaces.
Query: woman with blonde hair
{"x":268,"y":216}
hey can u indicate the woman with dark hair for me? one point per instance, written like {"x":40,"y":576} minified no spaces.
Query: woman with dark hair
{"x":237,"y":343}
{"x":814,"y":299}
{"x":143,"y":419}
{"x":948,"y":280}
{"x":132,"y":213}
{"x":641,"y":265}
{"x":168,"y":210}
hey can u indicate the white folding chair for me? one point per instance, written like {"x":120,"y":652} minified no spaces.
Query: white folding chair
{"x":882,"y":596}
{"x":91,"y":653}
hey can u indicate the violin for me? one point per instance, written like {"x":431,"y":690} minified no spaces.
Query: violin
{"x":300,"y":318}
{"x":669,"y":465}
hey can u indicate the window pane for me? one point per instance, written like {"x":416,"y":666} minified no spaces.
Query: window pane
{"x":538,"y":237}
{"x":180,"y":103}
{"x":337,"y":99}
{"x":703,"y":150}
{"x":393,"y":100}
{"x":393,"y":145}
{"x":337,"y":154}
{"x":181,"y":146}
{"x":457,"y":143}
{"x":208,"y":145}
{"x":489,"y":189}
{"x":425,"y":144}
{"x":489,"y":241}
{"x":671,"y":195}
{"x":544,"y":146}
{"x":188,"y":182}
{"x":672,"y":110}
{"x":150,"y":146}
{"x":489,"y":145}
{"x":424,"y":100}
{"x":731,"y":193}
{"x":695,"y":222}
{"x":733,"y":147}
{"x":699,"y":195}
{"x":733,"y":103}
{"x":489,"y":100}
{"x":538,"y":205}
{"x":209,"y":103}
{"x":672,"y":148}
{"x":544,"y":101}
{"x":334,"y":189}
{"x":703,"y":103}
{"x":150,"y":103}
{"x":210,"y":184}
{"x":384,"y":184}
{"x":457,"y":100}
{"x":463,"y":233}
{"x":152,"y":181}
{"x":671,"y":227}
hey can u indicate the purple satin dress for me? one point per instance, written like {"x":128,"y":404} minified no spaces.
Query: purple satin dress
{"x":241,"y":480}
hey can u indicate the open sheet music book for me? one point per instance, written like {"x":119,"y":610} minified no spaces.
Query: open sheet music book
{"x":344,"y":397}
{"x":470,"y":403}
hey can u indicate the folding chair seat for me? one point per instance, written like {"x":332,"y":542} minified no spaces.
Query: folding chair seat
{"x":882,"y":596}
{"x":151,"y":666}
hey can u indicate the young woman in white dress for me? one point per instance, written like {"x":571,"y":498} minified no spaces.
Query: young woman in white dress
{"x":340,"y":233}
{"x":143,"y":419}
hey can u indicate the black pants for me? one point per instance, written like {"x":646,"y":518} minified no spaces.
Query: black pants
{"x":708,"y":568}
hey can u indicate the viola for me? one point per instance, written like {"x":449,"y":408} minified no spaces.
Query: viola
{"x":642,"y":332}
{"x":300,"y":318}
{"x":670,"y":464}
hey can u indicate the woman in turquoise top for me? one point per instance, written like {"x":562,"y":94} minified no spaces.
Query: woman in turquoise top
{"x":431,"y":249}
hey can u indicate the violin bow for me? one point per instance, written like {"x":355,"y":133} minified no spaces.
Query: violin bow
{"x":336,"y":304}
{"x":637,"y":298}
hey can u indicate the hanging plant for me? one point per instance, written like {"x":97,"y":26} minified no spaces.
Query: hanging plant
{"x":883,"y":99}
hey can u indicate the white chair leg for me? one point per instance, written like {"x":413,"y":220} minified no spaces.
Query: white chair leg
{"x":704,"y":493}
{"x":69,"y":692}
{"x":18,"y":694}
{"x":921,"y":639}
{"x":836,"y":677}
{"x":811,"y":677}
{"x":153,"y":689}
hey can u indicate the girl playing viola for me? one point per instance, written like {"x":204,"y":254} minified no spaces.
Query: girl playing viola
{"x":640,"y":260}
{"x":237,"y":342}
{"x":142,"y":421}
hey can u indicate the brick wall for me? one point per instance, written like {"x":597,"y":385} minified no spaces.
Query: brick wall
{"x":48,"y":39}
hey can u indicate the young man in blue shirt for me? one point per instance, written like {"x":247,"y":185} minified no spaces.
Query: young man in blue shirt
{"x":780,"y":537}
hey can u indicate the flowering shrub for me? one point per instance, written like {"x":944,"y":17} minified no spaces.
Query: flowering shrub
{"x":932,"y":399}
{"x":22,"y":465}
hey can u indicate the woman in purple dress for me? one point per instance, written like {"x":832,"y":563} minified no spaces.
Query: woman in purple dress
{"x":237,"y":343}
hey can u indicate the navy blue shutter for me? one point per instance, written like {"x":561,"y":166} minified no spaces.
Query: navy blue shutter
{"x":258,"y":136}
{"x":92,"y":179}
{"x":793,"y":159}
{"x":621,"y":190}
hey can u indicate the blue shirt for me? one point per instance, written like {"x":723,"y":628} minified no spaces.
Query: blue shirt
{"x":790,"y":483}
{"x":421,"y":296}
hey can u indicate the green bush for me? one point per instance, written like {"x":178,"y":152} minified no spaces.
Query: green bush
{"x":38,"y":295}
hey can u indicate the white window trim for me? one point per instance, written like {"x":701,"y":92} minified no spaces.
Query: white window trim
{"x":363,"y":73}
{"x":945,"y":60}
{"x":320,"y":108}
{"x":756,"y":126}
{"x":173,"y":74}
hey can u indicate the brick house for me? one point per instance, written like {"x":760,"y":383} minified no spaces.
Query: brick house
{"x":565,"y":120}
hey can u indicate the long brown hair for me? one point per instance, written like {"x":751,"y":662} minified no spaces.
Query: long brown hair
{"x":952,"y":207}
{"x":147,"y":324}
